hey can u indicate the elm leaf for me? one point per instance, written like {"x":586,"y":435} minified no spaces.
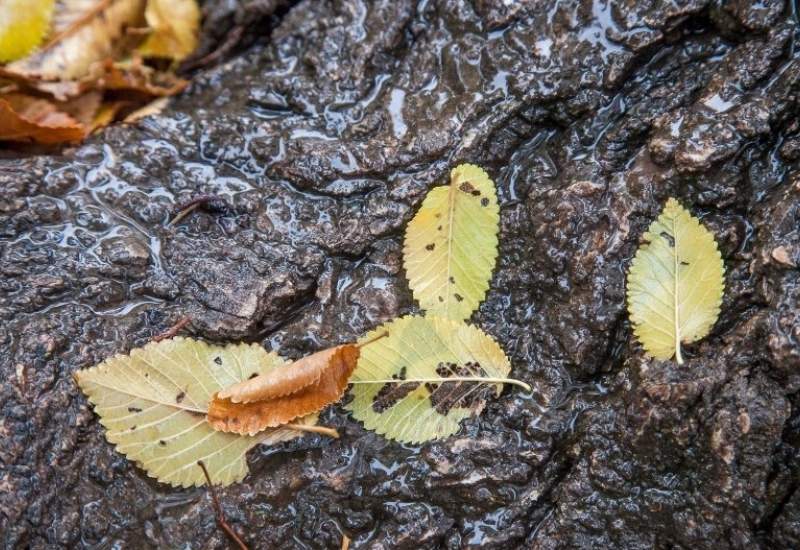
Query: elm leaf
{"x":675,"y":283}
{"x":284,"y":394}
{"x":153,"y":404}
{"x":23,"y":25}
{"x":450,"y":245}
{"x":427,"y":375}
{"x":174,"y":26}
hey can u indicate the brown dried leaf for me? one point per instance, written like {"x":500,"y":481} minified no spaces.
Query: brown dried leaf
{"x":136,"y":77}
{"x":23,"y":118}
{"x":278,"y":397}
{"x":83,"y":32}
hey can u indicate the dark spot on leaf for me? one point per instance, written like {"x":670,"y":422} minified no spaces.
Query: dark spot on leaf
{"x":252,"y":376}
{"x":484,"y":201}
{"x":669,"y":238}
{"x":162,"y":442}
{"x":133,"y":427}
{"x":462,"y":394}
{"x":218,"y":360}
{"x":466,"y":187}
{"x":452,"y":280}
{"x":438,"y":215}
{"x":430,"y":246}
{"x":684,"y":263}
{"x":476,"y":193}
{"x":134,"y":410}
{"x":440,"y":299}
{"x":180,"y":396}
{"x":439,"y":228}
{"x":390,"y":394}
{"x":458,"y":297}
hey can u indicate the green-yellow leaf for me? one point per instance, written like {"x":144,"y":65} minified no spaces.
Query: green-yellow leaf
{"x":23,"y":25}
{"x":153,"y":404}
{"x":675,"y":283}
{"x":427,"y":375}
{"x":174,"y":26}
{"x":451,"y":244}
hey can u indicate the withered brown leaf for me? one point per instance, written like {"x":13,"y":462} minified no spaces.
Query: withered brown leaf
{"x":24,"y":118}
{"x":278,"y":397}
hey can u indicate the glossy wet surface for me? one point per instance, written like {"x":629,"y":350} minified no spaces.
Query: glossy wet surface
{"x":320,"y":142}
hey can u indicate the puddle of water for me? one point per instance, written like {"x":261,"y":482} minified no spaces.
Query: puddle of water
{"x":399,"y":127}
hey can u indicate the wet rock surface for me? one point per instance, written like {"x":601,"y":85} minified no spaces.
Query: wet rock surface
{"x":320,"y":142}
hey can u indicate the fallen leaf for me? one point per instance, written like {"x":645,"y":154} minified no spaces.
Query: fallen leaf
{"x":153,"y":403}
{"x":134,"y":76}
{"x":23,"y":25}
{"x":27,"y":119}
{"x":451,"y":244}
{"x":83,"y":108}
{"x":153,"y":108}
{"x":174,"y":28}
{"x":107,"y":113}
{"x":675,"y":283}
{"x":280,"y":396}
{"x":85,"y":32}
{"x":425,"y":377}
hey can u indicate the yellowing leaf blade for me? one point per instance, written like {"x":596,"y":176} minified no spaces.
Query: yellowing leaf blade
{"x":23,"y":25}
{"x":435,"y":350}
{"x":675,"y":283}
{"x":153,"y":401}
{"x":450,"y":246}
{"x":174,"y":27}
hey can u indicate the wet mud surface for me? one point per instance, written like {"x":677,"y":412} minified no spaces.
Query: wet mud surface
{"x":319,"y":142}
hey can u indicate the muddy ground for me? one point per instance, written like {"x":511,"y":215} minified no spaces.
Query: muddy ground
{"x":320,"y":139}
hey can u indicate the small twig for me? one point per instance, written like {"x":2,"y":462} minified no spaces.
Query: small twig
{"x":182,"y":323}
{"x":345,"y":542}
{"x":218,"y":510}
{"x":77,"y":24}
{"x":324,"y":430}
{"x":384,"y":334}
{"x":187,"y":207}
{"x":230,"y":42}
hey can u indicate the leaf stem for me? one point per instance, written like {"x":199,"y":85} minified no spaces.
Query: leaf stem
{"x":324,"y":430}
{"x":383,"y":334}
{"x":483,"y":379}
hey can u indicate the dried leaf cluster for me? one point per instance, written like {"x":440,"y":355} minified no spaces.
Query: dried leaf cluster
{"x":176,"y":402}
{"x":433,"y":371}
{"x":179,"y":401}
{"x":73,"y":66}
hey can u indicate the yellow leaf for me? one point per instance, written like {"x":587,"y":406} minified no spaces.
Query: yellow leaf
{"x":84,"y":32}
{"x":174,"y":27}
{"x":451,"y":244}
{"x":675,"y":283}
{"x":427,"y":375}
{"x":23,"y":25}
{"x":153,"y":404}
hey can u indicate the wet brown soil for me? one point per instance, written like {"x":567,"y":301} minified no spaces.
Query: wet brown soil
{"x":319,"y":141}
